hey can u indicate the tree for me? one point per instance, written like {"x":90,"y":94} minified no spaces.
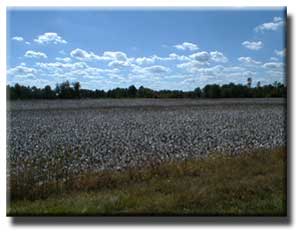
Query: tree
{"x":132,"y":91}
{"x":198,"y":92}
{"x":249,"y":82}
{"x":145,"y":92}
{"x":141,"y":92}
{"x":18,"y":91}
{"x":212,"y":91}
{"x":48,"y":93}
{"x":258,"y":85}
{"x":66,"y":91}
{"x":77,"y":89}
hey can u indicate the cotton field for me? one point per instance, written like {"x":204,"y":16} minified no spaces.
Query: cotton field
{"x":105,"y":134}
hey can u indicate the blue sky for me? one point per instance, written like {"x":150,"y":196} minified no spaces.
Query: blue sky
{"x":159,"y":49}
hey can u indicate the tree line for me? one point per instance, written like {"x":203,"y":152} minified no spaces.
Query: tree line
{"x":67,"y":90}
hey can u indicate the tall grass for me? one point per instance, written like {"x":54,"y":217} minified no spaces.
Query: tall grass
{"x":246,"y":184}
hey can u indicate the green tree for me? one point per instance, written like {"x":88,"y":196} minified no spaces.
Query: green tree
{"x":132,"y":91}
{"x":198,"y":92}
{"x":212,"y":91}
{"x":76,"y":89}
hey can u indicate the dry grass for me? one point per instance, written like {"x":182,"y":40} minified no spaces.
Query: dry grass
{"x":248,"y":184}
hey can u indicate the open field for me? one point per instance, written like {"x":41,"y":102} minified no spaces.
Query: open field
{"x":115,"y":134}
{"x":138,"y":102}
{"x":248,"y":184}
{"x":77,"y":146}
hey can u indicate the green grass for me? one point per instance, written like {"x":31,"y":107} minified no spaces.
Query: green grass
{"x":248,"y":184}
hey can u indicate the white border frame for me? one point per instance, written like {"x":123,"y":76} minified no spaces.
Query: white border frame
{"x":7,"y":223}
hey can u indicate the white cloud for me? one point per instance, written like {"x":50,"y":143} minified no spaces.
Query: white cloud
{"x":155,"y":58}
{"x":187,"y":46}
{"x":280,"y":53}
{"x":248,"y":74}
{"x":155,"y":70}
{"x":192,"y":66}
{"x":218,"y":57}
{"x":174,"y":56}
{"x":18,"y":38}
{"x":253,"y":45}
{"x":220,"y":70}
{"x":217,"y":74}
{"x":88,"y":73}
{"x":117,"y":59}
{"x":22,"y":71}
{"x":145,"y":60}
{"x":62,"y":52}
{"x":118,"y":64}
{"x":270,"y":26}
{"x":273,"y":58}
{"x":34,"y":54}
{"x":81,"y":54}
{"x":273,"y":65}
{"x":275,"y":75}
{"x":65,"y":59}
{"x":277,"y":19}
{"x":58,"y":66}
{"x":201,"y":57}
{"x":211,"y":71}
{"x":50,"y":38}
{"x":234,"y":69}
{"x":248,"y":61}
{"x":204,"y":57}
{"x":72,"y":71}
{"x":115,"y":55}
{"x":198,"y":60}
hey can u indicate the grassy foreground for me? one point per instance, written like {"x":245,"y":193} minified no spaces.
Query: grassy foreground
{"x":248,"y":184}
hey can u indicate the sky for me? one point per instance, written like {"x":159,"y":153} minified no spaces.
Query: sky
{"x":155,"y":48}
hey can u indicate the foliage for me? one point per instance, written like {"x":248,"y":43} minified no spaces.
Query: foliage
{"x":252,"y":183}
{"x":66,"y":90}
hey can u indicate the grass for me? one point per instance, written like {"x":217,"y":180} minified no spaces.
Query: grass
{"x":247,"y":184}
